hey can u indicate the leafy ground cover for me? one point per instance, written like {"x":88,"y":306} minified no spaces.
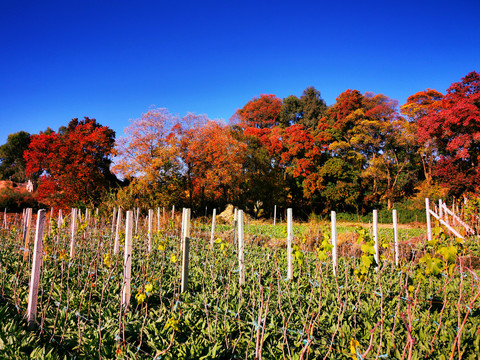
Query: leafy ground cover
{"x":427,"y":308}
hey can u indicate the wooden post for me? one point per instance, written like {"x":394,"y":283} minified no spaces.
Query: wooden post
{"x":375,"y":237}
{"x":173,"y":212}
{"x":334,"y":242}
{"x":241,"y":248}
{"x":127,"y":264}
{"x":158,"y":219}
{"x":150,"y":225}
{"x":289,"y":244}
{"x":73,"y":233}
{"x":36,"y":266}
{"x":185,"y":248}
{"x":440,"y":208}
{"x":137,"y":216}
{"x":274,"y":215}
{"x":116,"y":245}
{"x":87,"y":216}
{"x":212,"y":235}
{"x":182,"y":228}
{"x":113,"y":218}
{"x":26,"y":233}
{"x":235,"y":222}
{"x":395,"y":235}
{"x":59,"y":225}
{"x":429,"y":223}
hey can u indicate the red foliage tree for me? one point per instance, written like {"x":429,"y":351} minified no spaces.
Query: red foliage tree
{"x":261,"y":112}
{"x":74,"y":165}
{"x":455,"y":130}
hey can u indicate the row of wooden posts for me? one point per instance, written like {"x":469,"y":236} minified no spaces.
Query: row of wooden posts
{"x":185,"y":244}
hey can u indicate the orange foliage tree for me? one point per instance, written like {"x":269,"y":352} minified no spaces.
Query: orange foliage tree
{"x":213,"y":161}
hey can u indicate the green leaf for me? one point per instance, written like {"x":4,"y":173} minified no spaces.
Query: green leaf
{"x":368,"y":249}
{"x":449,"y":253}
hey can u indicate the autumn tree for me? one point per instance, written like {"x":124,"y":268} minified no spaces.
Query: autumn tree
{"x":261,"y":112}
{"x":148,"y":157}
{"x":417,"y":107}
{"x":212,"y":160}
{"x":12,"y":163}
{"x":368,"y":134}
{"x":74,"y":167}
{"x":455,"y":132}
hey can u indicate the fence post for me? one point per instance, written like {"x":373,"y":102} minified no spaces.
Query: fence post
{"x":36,"y":265}
{"x":289,"y":244}
{"x":158,"y":219}
{"x":395,"y":235}
{"x":127,"y":267}
{"x":73,"y":232}
{"x":116,"y":245}
{"x":150,"y":225}
{"x":241,"y":248}
{"x":334,"y":242}
{"x":185,"y":248}
{"x":26,"y":233}
{"x":375,"y":237}
{"x":440,"y":208}
{"x":274,"y":215}
{"x":212,"y":235}
{"x":429,"y":223}
{"x":173,"y":212}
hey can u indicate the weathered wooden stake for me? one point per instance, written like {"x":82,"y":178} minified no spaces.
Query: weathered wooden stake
{"x":212,"y":235}
{"x":173,"y":212}
{"x":241,"y":248}
{"x":127,"y":262}
{"x":375,"y":237}
{"x":182,"y":228}
{"x":235,"y":224}
{"x":114,"y":217}
{"x":59,"y":225}
{"x":36,"y":266}
{"x":395,"y":235}
{"x":429,"y":223}
{"x":185,"y":248}
{"x":150,"y":225}
{"x":73,"y":233}
{"x":334,"y":241}
{"x":116,"y":245}
{"x":26,"y":233}
{"x":274,"y":215}
{"x":158,"y":219}
{"x":289,"y":244}
{"x":137,"y":216}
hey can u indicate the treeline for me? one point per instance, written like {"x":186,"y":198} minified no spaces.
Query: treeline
{"x":361,"y":152}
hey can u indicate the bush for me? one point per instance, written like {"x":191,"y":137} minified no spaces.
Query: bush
{"x":16,"y":201}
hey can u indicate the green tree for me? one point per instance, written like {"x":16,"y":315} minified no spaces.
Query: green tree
{"x":313,"y":107}
{"x":12,"y":163}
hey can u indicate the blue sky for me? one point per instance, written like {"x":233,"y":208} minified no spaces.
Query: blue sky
{"x":112,"y":60}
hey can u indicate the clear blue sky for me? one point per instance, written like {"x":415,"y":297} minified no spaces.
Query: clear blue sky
{"x":112,"y":60}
